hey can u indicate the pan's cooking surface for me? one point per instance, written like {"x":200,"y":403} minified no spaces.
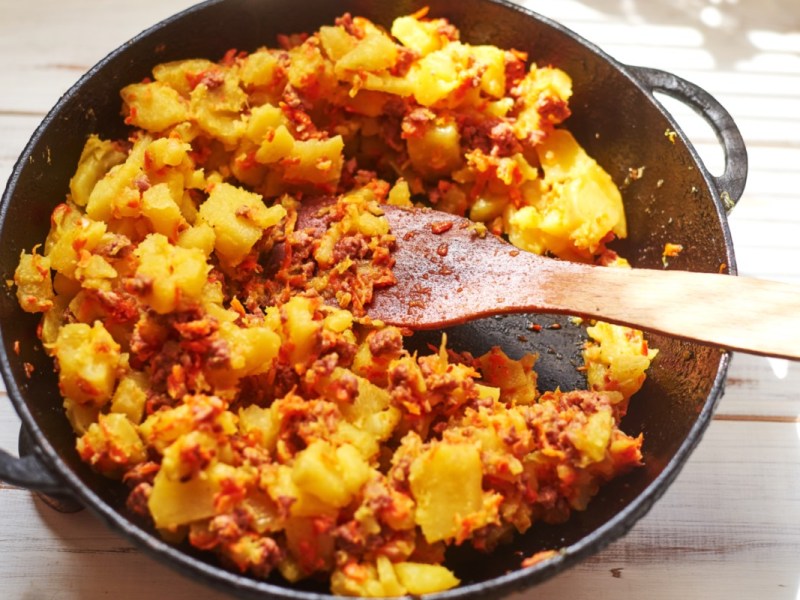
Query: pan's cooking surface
{"x":623,"y":130}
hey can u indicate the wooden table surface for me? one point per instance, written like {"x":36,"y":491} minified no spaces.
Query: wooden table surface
{"x":730,"y":525}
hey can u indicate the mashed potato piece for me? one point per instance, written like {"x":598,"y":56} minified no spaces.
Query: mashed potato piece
{"x":217,"y":359}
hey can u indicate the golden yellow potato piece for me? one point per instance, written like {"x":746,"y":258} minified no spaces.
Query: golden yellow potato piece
{"x":34,"y":285}
{"x":154,"y":106}
{"x":87,"y":358}
{"x":238,"y":218}
{"x":169,"y":276}
{"x":446,"y":483}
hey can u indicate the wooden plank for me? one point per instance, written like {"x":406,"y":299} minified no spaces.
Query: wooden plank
{"x":73,"y":556}
{"x":16,"y":131}
{"x":715,"y":518}
{"x":762,"y":388}
{"x":44,"y":50}
{"x":716,"y":533}
{"x":9,"y":424}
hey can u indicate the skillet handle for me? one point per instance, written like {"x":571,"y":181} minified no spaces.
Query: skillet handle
{"x":31,"y":473}
{"x":730,"y":184}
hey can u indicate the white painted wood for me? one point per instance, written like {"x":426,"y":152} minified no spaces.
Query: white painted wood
{"x":729,"y":527}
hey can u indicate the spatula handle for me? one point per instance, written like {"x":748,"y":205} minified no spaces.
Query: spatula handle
{"x":739,"y":313}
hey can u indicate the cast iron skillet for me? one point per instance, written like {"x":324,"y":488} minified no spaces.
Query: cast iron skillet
{"x":615,"y":117}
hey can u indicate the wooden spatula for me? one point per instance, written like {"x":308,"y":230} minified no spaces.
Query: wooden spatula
{"x":448,"y":273}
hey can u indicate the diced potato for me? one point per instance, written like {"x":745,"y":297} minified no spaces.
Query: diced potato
{"x":616,"y":358}
{"x":171,"y":276}
{"x":164,"y":426}
{"x":372,"y":411}
{"x":34,"y":285}
{"x":130,"y":396}
{"x":435,"y":77}
{"x":175,"y":503}
{"x":310,"y":72}
{"x":446,"y":481}
{"x":302,"y":330}
{"x":189,"y":455}
{"x":542,"y":87}
{"x":87,"y":358}
{"x":53,"y":320}
{"x":161,"y":210}
{"x":154,"y":106}
{"x":421,"y":36}
{"x":216,"y":107}
{"x":111,"y":445}
{"x":80,"y":416}
{"x":70,"y":236}
{"x":318,"y":162}
{"x":422,"y":578}
{"x":491,"y":60}
{"x":281,"y":488}
{"x":333,"y":475}
{"x":390,"y":84}
{"x":94,"y":272}
{"x":360,"y":439}
{"x":183,"y":75}
{"x":376,"y":52}
{"x":261,"y":69}
{"x":116,"y":193}
{"x":515,"y":379}
{"x":312,"y":549}
{"x":97,"y":158}
{"x":278,"y":143}
{"x":263,"y":119}
{"x":239,"y":219}
{"x":252,"y":351}
{"x":577,"y":208}
{"x":592,"y":440}
{"x":436,"y":150}
{"x":338,"y":320}
{"x":371,"y":580}
{"x":260,"y":424}
{"x":336,"y":42}
{"x":488,"y":207}
{"x":201,"y":237}
{"x":590,"y":202}
{"x":400,"y":194}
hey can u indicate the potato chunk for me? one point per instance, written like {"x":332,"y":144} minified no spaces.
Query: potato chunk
{"x":239,"y":219}
{"x":162,"y":211}
{"x":87,"y":358}
{"x":334,"y":475}
{"x":421,"y":578}
{"x":174,"y":503}
{"x":111,"y":445}
{"x":446,"y":483}
{"x":318,"y":162}
{"x":616,"y":358}
{"x":576,"y":207}
{"x":34,"y":285}
{"x":154,"y":106}
{"x":97,"y":158}
{"x":169,"y":276}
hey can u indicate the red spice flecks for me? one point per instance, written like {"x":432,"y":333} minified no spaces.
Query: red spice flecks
{"x":439,"y":227}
